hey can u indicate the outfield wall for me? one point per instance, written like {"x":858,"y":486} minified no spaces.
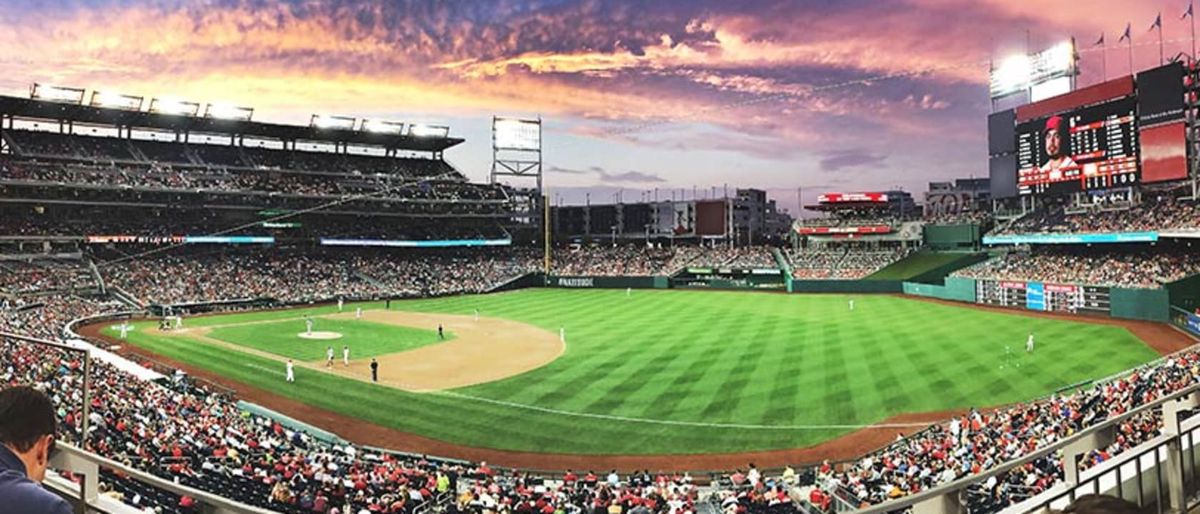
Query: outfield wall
{"x":590,"y":282}
{"x":956,"y":289}
{"x":845,"y":286}
{"x":1117,"y":302}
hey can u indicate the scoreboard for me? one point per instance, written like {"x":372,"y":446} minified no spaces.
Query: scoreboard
{"x":1041,"y":296}
{"x":1100,"y":144}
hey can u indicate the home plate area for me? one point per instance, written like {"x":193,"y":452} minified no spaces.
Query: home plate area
{"x":320,"y":335}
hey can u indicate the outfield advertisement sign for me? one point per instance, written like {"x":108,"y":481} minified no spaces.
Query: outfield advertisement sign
{"x":137,"y":239}
{"x":1193,"y":323}
{"x":394,"y":243}
{"x":601,"y":282}
{"x":1121,"y":237}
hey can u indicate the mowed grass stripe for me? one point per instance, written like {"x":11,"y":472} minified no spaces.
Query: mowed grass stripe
{"x":715,"y":357}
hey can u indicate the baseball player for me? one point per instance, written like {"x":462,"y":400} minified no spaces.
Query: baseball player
{"x":441,"y":334}
{"x":374,"y":370}
{"x":851,"y":304}
{"x":1029,"y":343}
{"x":124,"y":329}
{"x":308,"y":327}
{"x":628,"y":291}
{"x":341,"y":301}
{"x":358,"y":313}
{"x":476,"y":314}
{"x":329,"y":357}
{"x":178,"y":321}
{"x":291,"y":372}
{"x":562,"y":334}
{"x":346,"y":355}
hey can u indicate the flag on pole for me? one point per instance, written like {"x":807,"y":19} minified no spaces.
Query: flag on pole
{"x":1157,"y":22}
{"x":1189,"y":12}
{"x":1100,"y":42}
{"x":1126,"y":35}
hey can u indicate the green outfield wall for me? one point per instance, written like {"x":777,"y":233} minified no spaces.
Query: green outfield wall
{"x":845,"y":286}
{"x":1145,"y":304}
{"x":593,"y":282}
{"x":955,"y":288}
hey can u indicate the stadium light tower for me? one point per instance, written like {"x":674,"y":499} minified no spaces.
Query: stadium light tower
{"x":517,"y":149}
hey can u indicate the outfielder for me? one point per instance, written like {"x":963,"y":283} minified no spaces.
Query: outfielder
{"x":291,"y":373}
{"x":852,"y":304}
{"x":124,"y":329}
{"x":1029,"y":343}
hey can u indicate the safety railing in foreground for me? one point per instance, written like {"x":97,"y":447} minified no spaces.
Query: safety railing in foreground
{"x":948,"y":498}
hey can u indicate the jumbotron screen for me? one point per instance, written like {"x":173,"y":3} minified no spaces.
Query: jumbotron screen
{"x":1089,"y":148}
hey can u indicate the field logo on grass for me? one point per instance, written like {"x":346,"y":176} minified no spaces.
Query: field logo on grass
{"x":576,"y":282}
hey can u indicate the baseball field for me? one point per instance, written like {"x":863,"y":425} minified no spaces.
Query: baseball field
{"x":603,"y":372}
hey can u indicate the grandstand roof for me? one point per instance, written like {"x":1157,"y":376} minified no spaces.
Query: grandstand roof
{"x":40,"y":109}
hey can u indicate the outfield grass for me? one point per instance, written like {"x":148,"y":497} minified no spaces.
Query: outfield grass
{"x":795,"y":363}
{"x":366,"y":339}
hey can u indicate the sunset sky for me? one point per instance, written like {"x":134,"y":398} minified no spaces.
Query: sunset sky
{"x":825,"y":95}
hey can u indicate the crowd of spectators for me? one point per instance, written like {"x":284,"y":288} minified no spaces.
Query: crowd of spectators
{"x":18,"y":277}
{"x":84,"y":148}
{"x":642,"y":260}
{"x":842,"y":263}
{"x":976,"y":441}
{"x":300,"y":278}
{"x":1156,"y":212}
{"x":182,"y":431}
{"x":155,"y":176}
{"x":1133,"y":268}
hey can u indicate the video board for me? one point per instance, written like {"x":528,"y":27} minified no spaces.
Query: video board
{"x":1093,"y":147}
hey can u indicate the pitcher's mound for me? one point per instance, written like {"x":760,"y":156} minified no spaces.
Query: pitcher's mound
{"x":320,"y":335}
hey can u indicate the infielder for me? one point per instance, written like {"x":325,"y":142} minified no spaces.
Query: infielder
{"x":441,"y":335}
{"x":1029,"y":343}
{"x":346,"y":355}
{"x":358,"y":313}
{"x":308,"y":328}
{"x":124,"y":329}
{"x":291,"y":372}
{"x":329,"y":357}
{"x":374,"y":370}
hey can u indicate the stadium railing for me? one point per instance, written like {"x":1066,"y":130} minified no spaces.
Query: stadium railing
{"x":1153,"y":479}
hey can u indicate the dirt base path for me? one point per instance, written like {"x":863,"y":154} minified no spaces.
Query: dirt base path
{"x":482,"y":350}
{"x":1159,"y":336}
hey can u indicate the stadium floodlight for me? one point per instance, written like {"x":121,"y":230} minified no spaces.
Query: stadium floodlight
{"x":323,"y":121}
{"x":112,"y":100}
{"x":428,"y":131}
{"x":515,"y":134}
{"x":174,"y":106}
{"x":228,"y":112}
{"x":382,"y":127}
{"x":60,"y":94}
{"x":1011,"y":76}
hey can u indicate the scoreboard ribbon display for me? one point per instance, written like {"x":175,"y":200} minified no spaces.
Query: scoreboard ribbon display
{"x":1039,"y":296}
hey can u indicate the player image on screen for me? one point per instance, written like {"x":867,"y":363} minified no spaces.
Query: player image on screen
{"x":1055,"y":137}
{"x":1087,"y":148}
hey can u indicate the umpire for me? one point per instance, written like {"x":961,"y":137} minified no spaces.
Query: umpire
{"x":26,"y":444}
{"x":374,"y":370}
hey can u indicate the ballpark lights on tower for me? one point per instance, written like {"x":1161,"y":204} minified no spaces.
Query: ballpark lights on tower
{"x":60,"y":94}
{"x":1046,"y":72}
{"x":323,"y":122}
{"x":174,"y":106}
{"x":394,"y":128}
{"x":428,"y":131}
{"x":228,"y":112}
{"x":110,"y":100}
